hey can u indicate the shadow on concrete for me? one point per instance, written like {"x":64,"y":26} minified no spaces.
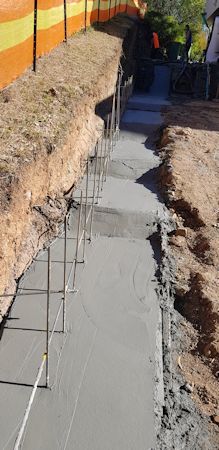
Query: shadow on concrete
{"x":14,"y":383}
{"x":155,"y":242}
{"x":150,"y":181}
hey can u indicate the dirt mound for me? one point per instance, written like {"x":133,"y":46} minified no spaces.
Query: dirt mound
{"x":190,"y":180}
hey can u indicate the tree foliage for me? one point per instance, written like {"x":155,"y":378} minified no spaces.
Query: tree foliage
{"x":167,"y":27}
{"x":169,"y":17}
{"x":186,"y":11}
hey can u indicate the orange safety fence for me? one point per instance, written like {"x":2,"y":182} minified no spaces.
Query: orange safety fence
{"x":31,"y":28}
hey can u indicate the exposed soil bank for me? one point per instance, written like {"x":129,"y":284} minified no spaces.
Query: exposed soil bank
{"x":48,"y":125}
{"x":189,"y":177}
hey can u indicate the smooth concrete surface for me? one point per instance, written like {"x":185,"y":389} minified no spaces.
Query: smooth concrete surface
{"x":147,"y":102}
{"x":103,"y":379}
{"x":161,"y":85}
{"x":129,"y":195}
{"x":103,"y":369}
{"x":158,"y":95}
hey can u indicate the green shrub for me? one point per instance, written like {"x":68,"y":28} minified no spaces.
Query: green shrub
{"x":170,"y":30}
{"x":167,"y":27}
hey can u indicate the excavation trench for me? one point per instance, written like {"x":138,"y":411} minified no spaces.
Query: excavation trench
{"x":105,"y":371}
{"x":93,"y":322}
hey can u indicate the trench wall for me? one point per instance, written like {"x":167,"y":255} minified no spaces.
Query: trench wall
{"x":38,"y":201}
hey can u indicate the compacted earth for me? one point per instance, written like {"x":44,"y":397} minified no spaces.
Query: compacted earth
{"x":189,"y":176}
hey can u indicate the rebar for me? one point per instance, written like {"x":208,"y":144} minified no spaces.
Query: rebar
{"x":100,"y":167}
{"x":47,"y":315}
{"x":104,"y":159}
{"x":64,"y":277}
{"x":108,"y":146}
{"x":27,"y":412}
{"x":119,"y":102}
{"x":85,"y":209}
{"x":94,"y":192}
{"x":77,"y":244}
{"x":55,"y":322}
{"x":112,"y":126}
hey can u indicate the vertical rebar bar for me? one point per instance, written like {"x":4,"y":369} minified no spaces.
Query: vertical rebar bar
{"x":122,"y":99}
{"x":35,"y":35}
{"x":77,"y":243}
{"x":104,"y":158}
{"x":125,"y":93}
{"x":94,"y":192}
{"x":100,"y":168}
{"x":105,"y":149}
{"x":64,"y":277}
{"x":114,"y":120}
{"x":47,"y":314}
{"x":112,"y":128}
{"x":108,"y":146}
{"x":85,"y":209}
{"x":119,"y":103}
{"x":118,"y":106}
{"x":65,"y":21}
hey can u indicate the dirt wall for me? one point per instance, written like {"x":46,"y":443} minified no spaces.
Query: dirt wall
{"x":189,"y":179}
{"x":32,"y":189}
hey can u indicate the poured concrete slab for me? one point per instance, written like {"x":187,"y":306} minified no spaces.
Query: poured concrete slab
{"x":131,"y":159}
{"x":158,"y":95}
{"x":141,"y":121}
{"x":130,"y":196}
{"x":103,"y":370}
{"x":113,"y":222}
{"x":161,"y":84}
{"x":103,"y":391}
{"x":147,"y":102}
